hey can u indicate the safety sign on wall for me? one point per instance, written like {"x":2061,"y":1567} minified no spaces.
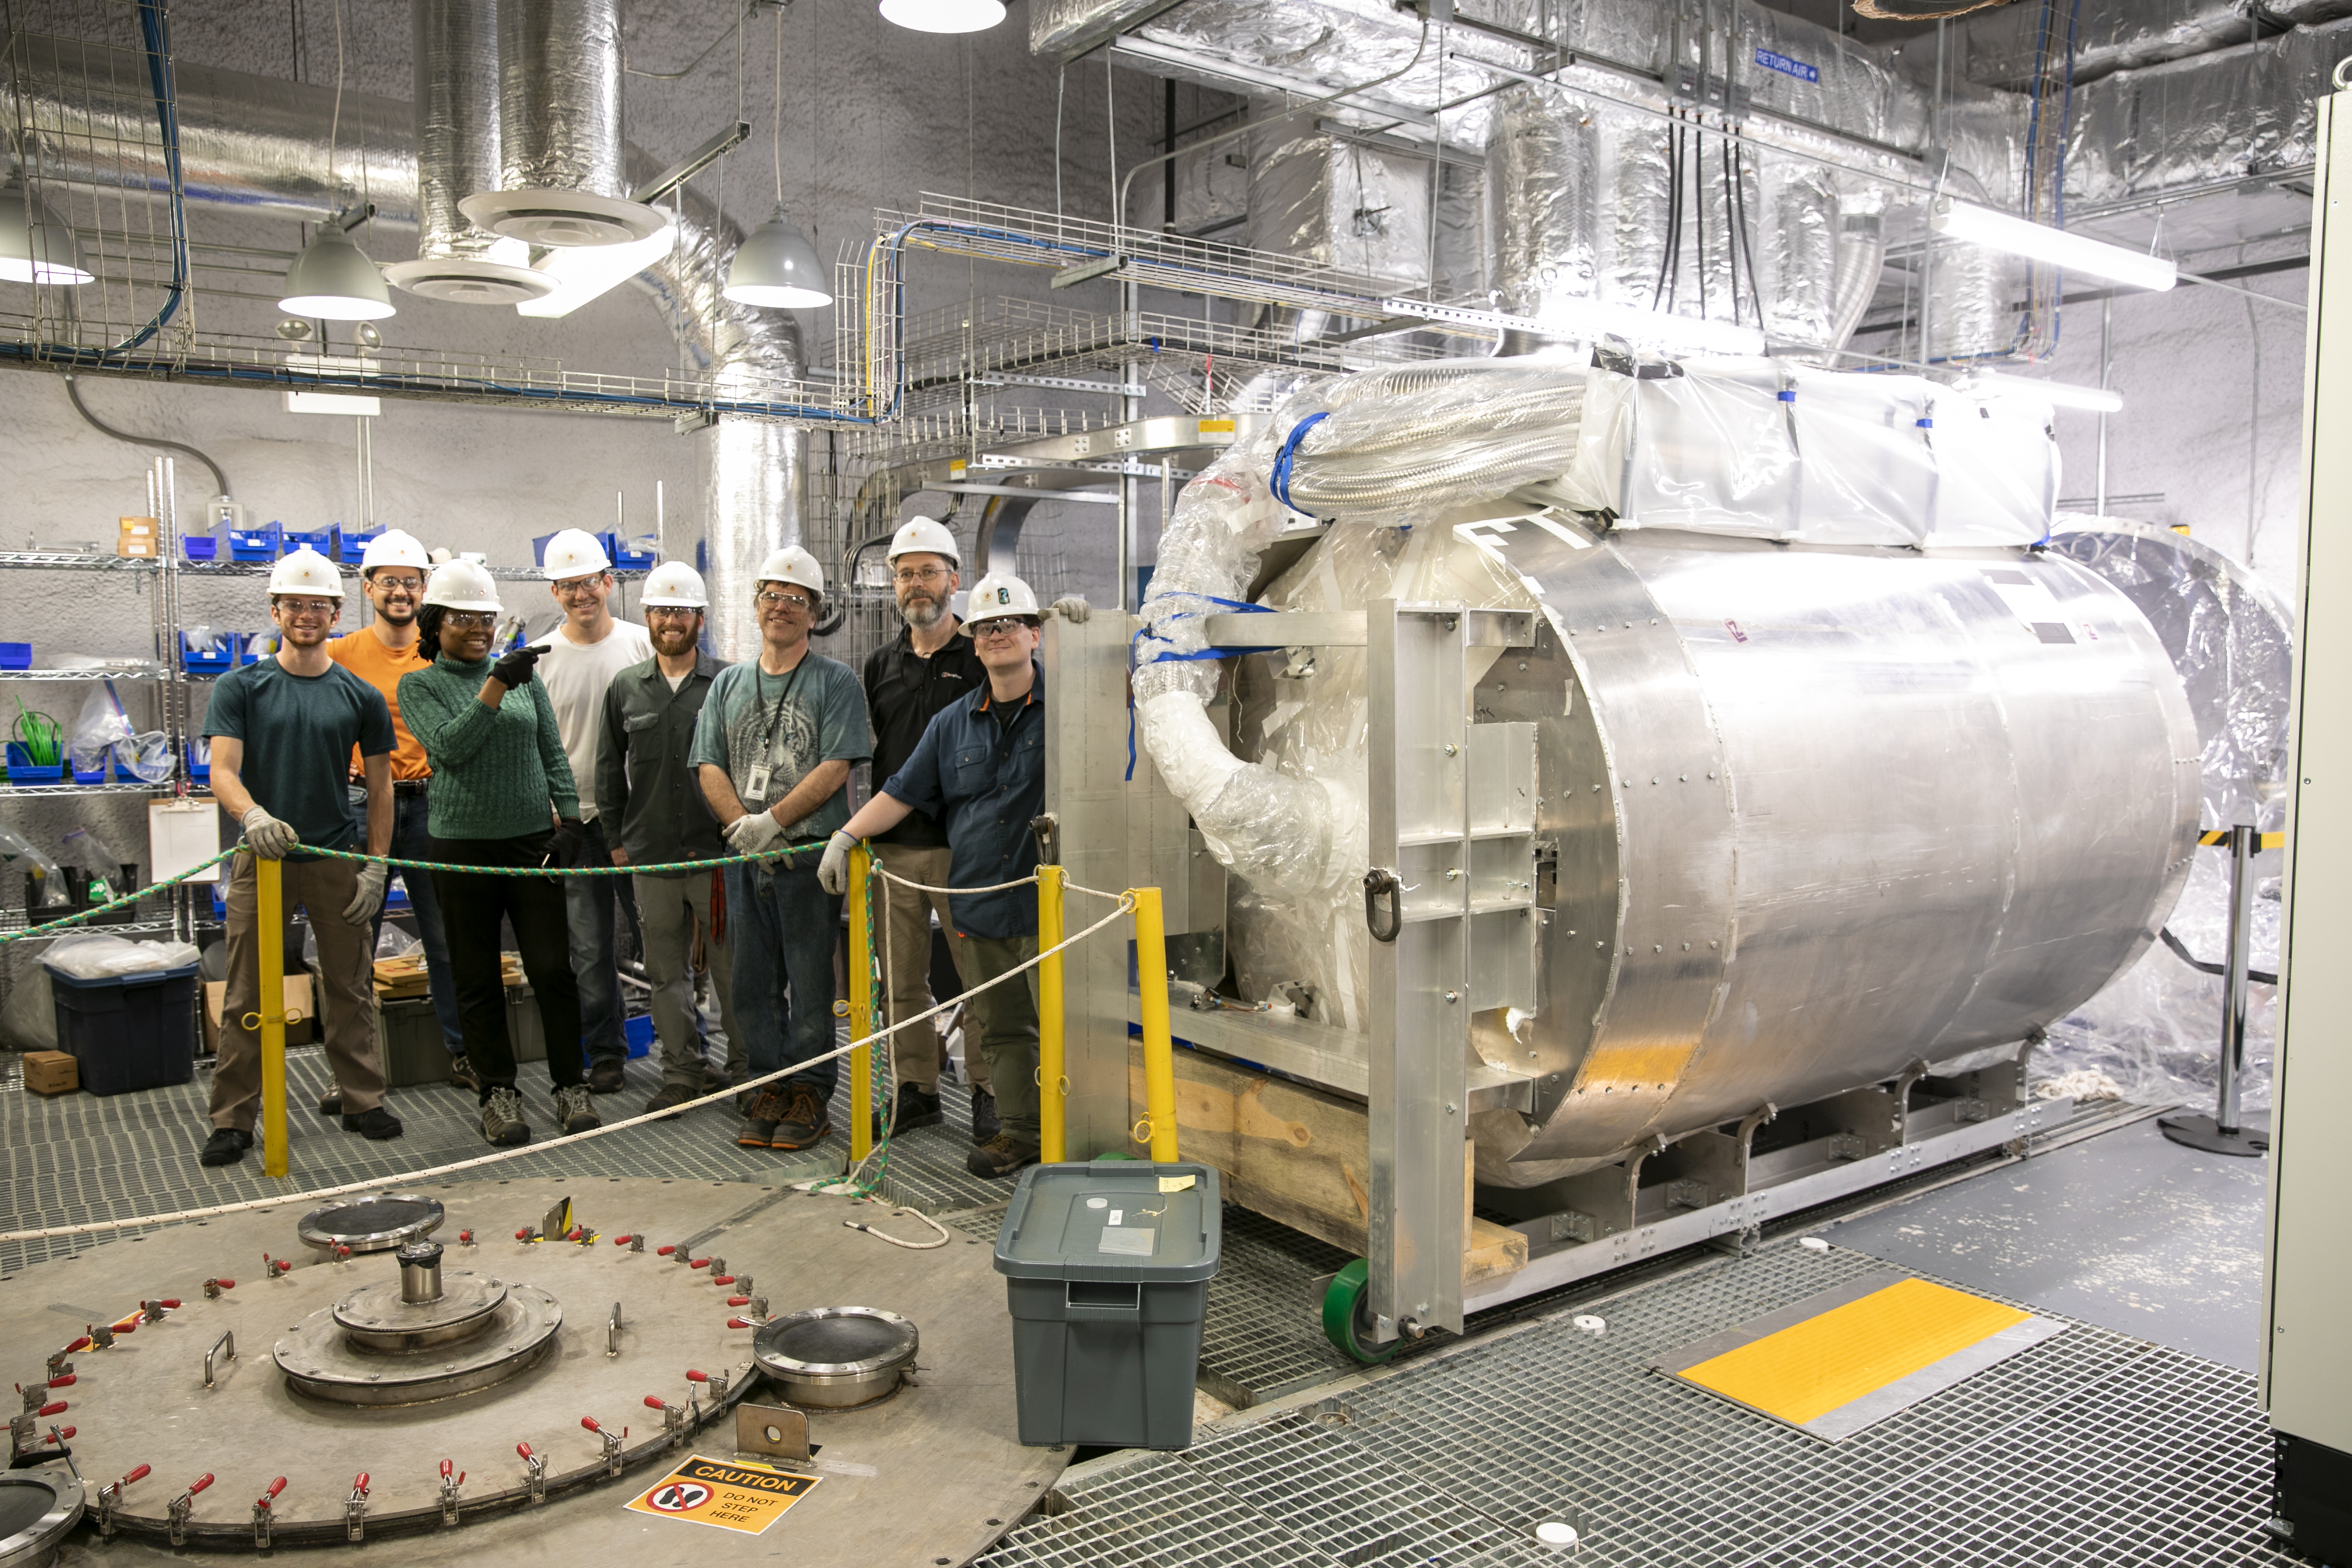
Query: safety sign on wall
{"x":724,"y":1493}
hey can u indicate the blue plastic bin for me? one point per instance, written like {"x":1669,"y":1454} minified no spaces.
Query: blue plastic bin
{"x":96,"y":775}
{"x":16,"y":656}
{"x":327,"y":542}
{"x":200,"y":759}
{"x":629,"y":559}
{"x":129,"y":1031}
{"x":255,"y":544}
{"x":639,"y":1033}
{"x":198,"y":662}
{"x":200,"y":547}
{"x":23,"y":772}
{"x":352,"y":545}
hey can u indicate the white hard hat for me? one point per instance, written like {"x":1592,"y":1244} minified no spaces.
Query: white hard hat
{"x":997,"y":594}
{"x":794,"y":564}
{"x":675,"y":584}
{"x":462,"y":585}
{"x":393,"y":548}
{"x":305,"y":570}
{"x":922,"y":535}
{"x":575,"y":553}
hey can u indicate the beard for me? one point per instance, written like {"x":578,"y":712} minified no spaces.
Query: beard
{"x":671,"y":641}
{"x":922,"y":612}
{"x":399,"y":614}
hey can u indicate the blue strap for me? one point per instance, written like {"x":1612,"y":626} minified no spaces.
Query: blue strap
{"x":1279,"y":480}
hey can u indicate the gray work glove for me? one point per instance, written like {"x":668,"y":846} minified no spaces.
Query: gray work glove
{"x":1072,"y":609}
{"x":370,"y":895}
{"x":754,"y":833}
{"x":833,"y":871}
{"x":267,"y":836}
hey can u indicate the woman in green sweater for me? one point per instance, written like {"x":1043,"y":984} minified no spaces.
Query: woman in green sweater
{"x":501,"y":789}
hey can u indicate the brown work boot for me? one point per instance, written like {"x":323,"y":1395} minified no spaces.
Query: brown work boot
{"x":1001,"y":1156}
{"x":804,"y":1122}
{"x":759,"y":1119}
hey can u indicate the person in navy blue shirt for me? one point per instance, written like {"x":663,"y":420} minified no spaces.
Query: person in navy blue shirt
{"x":980,"y":769}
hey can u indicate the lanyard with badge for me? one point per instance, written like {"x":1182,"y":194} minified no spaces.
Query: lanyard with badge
{"x":756,"y":780}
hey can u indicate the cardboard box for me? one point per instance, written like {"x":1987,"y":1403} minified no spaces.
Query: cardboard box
{"x":131,"y":544}
{"x":137,"y":526}
{"x":51,"y":1072}
{"x":301,"y":1031}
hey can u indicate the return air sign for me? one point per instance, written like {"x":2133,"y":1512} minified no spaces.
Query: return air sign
{"x":1788,"y":67}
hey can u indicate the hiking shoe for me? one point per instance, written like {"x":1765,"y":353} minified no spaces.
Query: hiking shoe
{"x":984,"y":1124}
{"x":605,"y":1076}
{"x":576,"y":1111}
{"x":226,"y":1146}
{"x":332,"y":1102}
{"x":502,"y":1122}
{"x":918,"y":1107}
{"x":803,"y":1121}
{"x":378,"y":1124}
{"x":669,"y":1097}
{"x":760,"y":1119}
{"x":462,"y":1074}
{"x":1000,"y":1156}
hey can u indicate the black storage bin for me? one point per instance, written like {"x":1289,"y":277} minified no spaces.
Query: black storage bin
{"x":129,"y":1031}
{"x":1107,"y":1273}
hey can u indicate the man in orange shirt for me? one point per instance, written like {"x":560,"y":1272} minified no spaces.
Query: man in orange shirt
{"x":391,"y":575}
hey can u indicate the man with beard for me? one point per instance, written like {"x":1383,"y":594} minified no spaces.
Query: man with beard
{"x":392,"y":576}
{"x":775,"y":745}
{"x":282,"y":731}
{"x":906,"y":683}
{"x":649,"y":794}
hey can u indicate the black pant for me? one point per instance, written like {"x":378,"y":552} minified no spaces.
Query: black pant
{"x":471,"y":910}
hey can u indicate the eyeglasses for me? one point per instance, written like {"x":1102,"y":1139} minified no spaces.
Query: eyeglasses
{"x":579,"y":587}
{"x":1003,"y":625}
{"x":469,"y":620}
{"x":906,"y":574}
{"x":670,"y":613}
{"x":399,"y":585}
{"x":801,"y":602}
{"x":309,"y":609}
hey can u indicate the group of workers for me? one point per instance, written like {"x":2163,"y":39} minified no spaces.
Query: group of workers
{"x":424,"y":735}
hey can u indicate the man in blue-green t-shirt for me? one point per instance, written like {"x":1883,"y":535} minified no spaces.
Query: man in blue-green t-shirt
{"x":282,"y":732}
{"x":774,"y":747}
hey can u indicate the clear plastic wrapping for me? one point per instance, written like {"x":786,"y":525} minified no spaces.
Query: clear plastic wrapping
{"x":99,"y":957}
{"x":1396,"y":461}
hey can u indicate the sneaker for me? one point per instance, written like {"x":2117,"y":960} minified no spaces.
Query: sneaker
{"x":226,"y":1146}
{"x":759,"y":1119}
{"x":669,"y":1097}
{"x":332,"y":1102}
{"x":605,"y":1076}
{"x":918,"y":1107}
{"x":803,"y":1121}
{"x":1000,"y":1156}
{"x":576,"y":1111}
{"x":378,"y":1124}
{"x":984,"y":1124}
{"x":502,"y":1122}
{"x":462,"y":1074}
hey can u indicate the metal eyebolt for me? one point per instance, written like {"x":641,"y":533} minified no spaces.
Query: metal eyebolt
{"x":1379,"y":883}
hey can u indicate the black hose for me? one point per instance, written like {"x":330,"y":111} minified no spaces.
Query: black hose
{"x":1731,"y":226}
{"x":1747,"y":238}
{"x":2181,"y":949}
{"x":73,"y":393}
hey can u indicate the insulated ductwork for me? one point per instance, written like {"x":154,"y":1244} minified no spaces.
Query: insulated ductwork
{"x":259,"y":144}
{"x":2011,"y":47}
{"x":454,"y":111}
{"x":1339,"y":203}
{"x":563,"y":180}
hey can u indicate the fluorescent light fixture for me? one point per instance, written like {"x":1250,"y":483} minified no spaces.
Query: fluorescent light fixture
{"x":1646,"y":329}
{"x":2056,"y":394}
{"x":776,"y":268}
{"x":343,"y":403}
{"x":332,"y":280}
{"x":944,"y":16}
{"x":34,"y":247}
{"x":582,"y":273}
{"x":2040,"y":242}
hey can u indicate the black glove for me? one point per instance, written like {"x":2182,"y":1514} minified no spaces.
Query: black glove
{"x":570,"y":839}
{"x":515,"y":669}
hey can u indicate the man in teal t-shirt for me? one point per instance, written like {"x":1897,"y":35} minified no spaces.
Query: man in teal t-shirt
{"x":282,"y":731}
{"x":773,"y":746}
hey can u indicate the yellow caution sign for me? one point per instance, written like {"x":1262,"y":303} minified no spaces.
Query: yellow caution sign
{"x":724,"y":1494}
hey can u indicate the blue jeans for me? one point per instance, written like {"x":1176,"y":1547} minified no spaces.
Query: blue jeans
{"x":412,"y":841}
{"x":590,"y":902}
{"x":785,"y":927}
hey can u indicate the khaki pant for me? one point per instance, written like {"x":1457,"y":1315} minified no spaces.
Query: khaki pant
{"x":918,"y":1054}
{"x":1005,"y":1024}
{"x":675,"y":910}
{"x":346,"y":1001}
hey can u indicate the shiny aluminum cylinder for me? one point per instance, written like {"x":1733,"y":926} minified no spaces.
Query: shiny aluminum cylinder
{"x":560,"y":99}
{"x":420,"y":1272}
{"x":454,"y":111}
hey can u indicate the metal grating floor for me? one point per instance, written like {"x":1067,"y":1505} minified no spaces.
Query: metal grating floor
{"x":2093,"y":1448}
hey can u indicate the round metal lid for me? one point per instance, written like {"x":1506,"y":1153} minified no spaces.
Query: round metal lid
{"x":36,"y":1509}
{"x":318,"y":1359}
{"x":836,"y":1341}
{"x":378,"y":1308}
{"x":370,"y":1224}
{"x":561,"y":217}
{"x":466,"y":281}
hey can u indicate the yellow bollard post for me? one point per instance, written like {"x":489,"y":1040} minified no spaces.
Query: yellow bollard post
{"x":861,"y":1008}
{"x":1052,"y":1109}
{"x":1159,"y":1053}
{"x":269,"y":910}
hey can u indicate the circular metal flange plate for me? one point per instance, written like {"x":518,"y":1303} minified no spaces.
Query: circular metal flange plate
{"x":560,"y":218}
{"x":38,"y":1506}
{"x":372,"y":1224}
{"x":465,"y":282}
{"x":319,"y":1360}
{"x":836,"y":1356}
{"x":377,"y":1317}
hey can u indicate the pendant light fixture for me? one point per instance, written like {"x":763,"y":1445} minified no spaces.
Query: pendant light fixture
{"x":332,"y":280}
{"x":944,"y":16}
{"x":776,"y":267}
{"x":34,"y":247}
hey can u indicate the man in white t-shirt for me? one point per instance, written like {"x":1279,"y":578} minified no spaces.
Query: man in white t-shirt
{"x":591,"y":648}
